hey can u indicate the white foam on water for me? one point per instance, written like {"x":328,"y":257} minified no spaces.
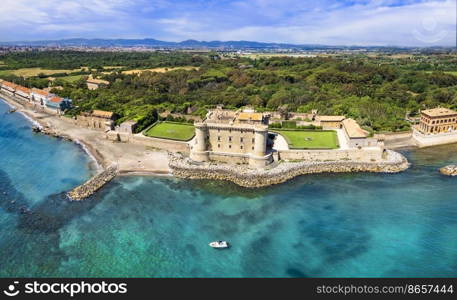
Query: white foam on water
{"x":31,"y":120}
{"x":97,"y":165}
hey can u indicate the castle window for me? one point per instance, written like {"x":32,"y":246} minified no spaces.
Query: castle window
{"x":230,"y":138}
{"x":218,"y":145}
{"x":241,"y":147}
{"x":241,"y":140}
{"x":252,"y":148}
{"x":218,"y":138}
{"x":230,"y":146}
{"x":252,"y":140}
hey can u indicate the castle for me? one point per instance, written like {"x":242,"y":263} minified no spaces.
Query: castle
{"x":233,"y":137}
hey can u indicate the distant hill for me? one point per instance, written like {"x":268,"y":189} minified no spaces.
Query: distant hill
{"x":153,"y":43}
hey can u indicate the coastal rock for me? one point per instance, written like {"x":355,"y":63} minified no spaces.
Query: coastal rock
{"x":94,"y":184}
{"x":248,"y":177}
{"x":450,"y":170}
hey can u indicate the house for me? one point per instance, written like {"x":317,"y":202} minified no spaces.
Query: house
{"x":356,"y":136}
{"x":40,"y":97}
{"x":127,"y":127}
{"x":437,"y":126}
{"x":22,"y":93}
{"x":58,"y":103}
{"x":437,"y":120}
{"x":9,"y":88}
{"x":93,"y":84}
{"x":237,"y":137}
{"x":330,"y":122}
{"x":97,"y":119}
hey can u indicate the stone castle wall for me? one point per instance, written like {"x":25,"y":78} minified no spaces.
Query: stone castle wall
{"x":163,"y":144}
{"x":248,"y":177}
{"x":363,"y":155}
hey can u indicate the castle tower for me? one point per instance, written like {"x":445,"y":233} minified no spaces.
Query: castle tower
{"x":260,"y":145}
{"x":199,"y":151}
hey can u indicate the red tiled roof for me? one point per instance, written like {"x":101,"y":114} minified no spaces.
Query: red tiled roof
{"x":23,"y":89}
{"x":41,"y":92}
{"x":9,"y":84}
{"x":56,"y":99}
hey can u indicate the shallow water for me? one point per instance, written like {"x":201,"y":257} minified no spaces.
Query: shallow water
{"x":362,"y":225}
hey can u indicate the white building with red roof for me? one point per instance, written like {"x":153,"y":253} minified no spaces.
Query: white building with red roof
{"x":22,"y":93}
{"x":8,"y":87}
{"x":40,"y":97}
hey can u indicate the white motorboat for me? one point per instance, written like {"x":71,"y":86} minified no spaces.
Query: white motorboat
{"x":219,"y":244}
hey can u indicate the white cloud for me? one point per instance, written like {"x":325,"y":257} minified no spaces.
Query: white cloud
{"x":363,"y":22}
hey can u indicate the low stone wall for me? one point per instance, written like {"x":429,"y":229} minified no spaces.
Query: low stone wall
{"x":140,"y":139}
{"x":398,"y":139}
{"x":423,"y":140}
{"x":362,"y":155}
{"x":94,"y":184}
{"x":248,"y":177}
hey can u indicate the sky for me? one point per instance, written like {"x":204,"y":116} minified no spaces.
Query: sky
{"x":329,"y":22}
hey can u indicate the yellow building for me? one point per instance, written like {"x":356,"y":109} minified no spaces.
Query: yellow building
{"x":93,"y":84}
{"x":437,"y":120}
{"x":97,"y":119}
{"x":331,"y":122}
{"x":233,"y":137}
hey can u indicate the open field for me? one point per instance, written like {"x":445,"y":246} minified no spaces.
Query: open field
{"x":71,"y":79}
{"x":160,"y":70}
{"x":310,"y":139}
{"x":170,"y":130}
{"x":446,"y":72}
{"x":30,"y":72}
{"x":268,"y":55}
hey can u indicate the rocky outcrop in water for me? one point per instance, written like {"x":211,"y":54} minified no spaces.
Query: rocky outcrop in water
{"x":94,"y":184}
{"x":247,"y":177}
{"x":450,"y":170}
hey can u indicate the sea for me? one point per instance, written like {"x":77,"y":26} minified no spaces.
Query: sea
{"x":328,"y":225}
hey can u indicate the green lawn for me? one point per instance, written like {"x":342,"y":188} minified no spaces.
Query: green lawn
{"x":170,"y":130}
{"x":71,"y":78}
{"x":310,"y":139}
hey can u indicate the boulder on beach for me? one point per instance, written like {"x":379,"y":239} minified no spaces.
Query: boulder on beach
{"x":450,"y":170}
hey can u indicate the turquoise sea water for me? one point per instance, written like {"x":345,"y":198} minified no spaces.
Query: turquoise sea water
{"x":332,"y":225}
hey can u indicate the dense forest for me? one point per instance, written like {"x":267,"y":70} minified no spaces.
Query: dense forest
{"x":96,"y":60}
{"x":377,"y":91}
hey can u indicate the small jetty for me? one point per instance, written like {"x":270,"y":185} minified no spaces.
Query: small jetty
{"x":450,"y":170}
{"x":88,"y":188}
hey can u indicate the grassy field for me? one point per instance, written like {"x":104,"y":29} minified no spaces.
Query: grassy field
{"x":30,"y":72}
{"x":160,"y":70}
{"x":71,"y":79}
{"x":173,"y":131}
{"x":446,"y":72}
{"x":310,"y":139}
{"x":269,"y":55}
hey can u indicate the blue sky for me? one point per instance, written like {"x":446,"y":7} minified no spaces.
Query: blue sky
{"x":331,"y":22}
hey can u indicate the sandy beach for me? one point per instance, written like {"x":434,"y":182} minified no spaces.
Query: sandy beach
{"x":132,"y":159}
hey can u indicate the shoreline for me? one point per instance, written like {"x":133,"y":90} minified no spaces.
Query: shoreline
{"x":129,"y":159}
{"x":21,"y":109}
{"x":251,"y":178}
{"x":136,"y":160}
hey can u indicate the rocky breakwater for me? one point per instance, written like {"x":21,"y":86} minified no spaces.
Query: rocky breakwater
{"x":450,"y":170}
{"x":94,"y":184}
{"x":245,"y":176}
{"x":45,"y":129}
